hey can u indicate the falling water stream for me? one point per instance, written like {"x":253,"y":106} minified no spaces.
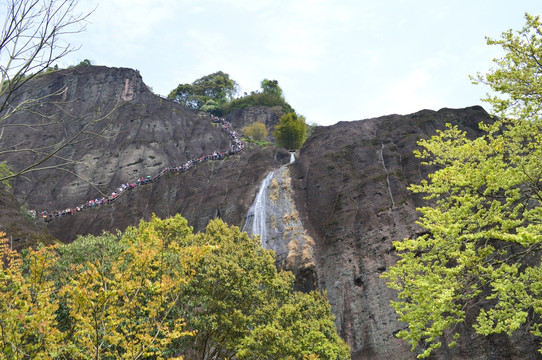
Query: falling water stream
{"x":274,"y":217}
{"x":257,"y":212}
{"x":260,"y":214}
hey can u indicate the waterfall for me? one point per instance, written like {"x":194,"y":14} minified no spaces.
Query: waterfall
{"x":292,"y":157}
{"x":258,"y":210}
{"x":274,"y":217}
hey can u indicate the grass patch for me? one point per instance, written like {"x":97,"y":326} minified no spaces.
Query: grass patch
{"x":260,"y":143}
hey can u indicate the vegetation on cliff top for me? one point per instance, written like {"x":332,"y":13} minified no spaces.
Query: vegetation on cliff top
{"x":270,"y":95}
{"x":207,"y":93}
{"x":215,"y":93}
{"x":485,"y":227}
{"x":160,"y":291}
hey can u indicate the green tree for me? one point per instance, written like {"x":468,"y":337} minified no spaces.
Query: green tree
{"x":256,"y":131}
{"x":115,"y":302}
{"x":120,"y":292}
{"x":256,"y":99}
{"x":290,"y":132}
{"x":270,"y":96}
{"x":210,"y":91}
{"x":484,"y":227}
{"x":237,"y":289}
{"x":271,"y":87}
{"x":230,"y":293}
{"x":120,"y":305}
{"x":85,"y":62}
{"x":160,"y":290}
{"x":299,"y":328}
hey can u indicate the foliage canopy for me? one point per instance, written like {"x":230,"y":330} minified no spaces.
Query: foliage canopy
{"x":256,"y":131}
{"x":207,"y":93}
{"x":290,"y":132}
{"x":159,"y":291}
{"x":271,"y":95}
{"x":271,"y":87}
{"x":113,"y":304}
{"x":484,"y":227}
{"x":256,"y":99}
{"x":236,"y":289}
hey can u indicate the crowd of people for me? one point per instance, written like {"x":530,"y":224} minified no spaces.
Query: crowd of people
{"x":237,"y":146}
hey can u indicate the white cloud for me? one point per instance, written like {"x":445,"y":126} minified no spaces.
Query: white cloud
{"x":206,"y":45}
{"x":412,"y":93}
{"x":335,"y":60}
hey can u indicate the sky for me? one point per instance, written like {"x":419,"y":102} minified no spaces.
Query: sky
{"x":335,"y":60}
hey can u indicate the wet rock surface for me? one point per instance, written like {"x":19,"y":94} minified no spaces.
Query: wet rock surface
{"x":274,"y":217}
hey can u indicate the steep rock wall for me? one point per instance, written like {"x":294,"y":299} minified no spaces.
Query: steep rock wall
{"x":142,"y":134}
{"x":248,"y":115}
{"x":351,"y":184}
{"x":213,"y":189}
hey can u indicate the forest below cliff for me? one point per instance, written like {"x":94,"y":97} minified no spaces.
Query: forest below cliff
{"x":158,"y":289}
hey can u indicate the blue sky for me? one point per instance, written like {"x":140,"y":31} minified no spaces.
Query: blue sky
{"x":335,"y":60}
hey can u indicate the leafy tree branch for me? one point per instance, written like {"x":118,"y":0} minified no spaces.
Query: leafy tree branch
{"x":484,"y":225}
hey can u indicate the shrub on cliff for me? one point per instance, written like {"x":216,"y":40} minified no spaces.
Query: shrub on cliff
{"x":256,"y":99}
{"x":290,"y":132}
{"x":271,"y":87}
{"x":256,"y":131}
{"x":271,"y":95}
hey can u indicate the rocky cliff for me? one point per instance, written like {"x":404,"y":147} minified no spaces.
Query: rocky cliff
{"x":348,"y":184}
{"x":136,"y":134}
{"x":246,"y":116}
{"x":351,"y":185}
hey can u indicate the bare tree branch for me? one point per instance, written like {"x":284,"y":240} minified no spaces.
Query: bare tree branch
{"x":31,"y":41}
{"x":75,"y":139}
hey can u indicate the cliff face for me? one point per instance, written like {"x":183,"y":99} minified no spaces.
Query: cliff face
{"x":246,"y":116}
{"x":348,"y":182}
{"x":135,"y":134}
{"x":240,"y":118}
{"x":351,"y":183}
{"x":142,"y":133}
